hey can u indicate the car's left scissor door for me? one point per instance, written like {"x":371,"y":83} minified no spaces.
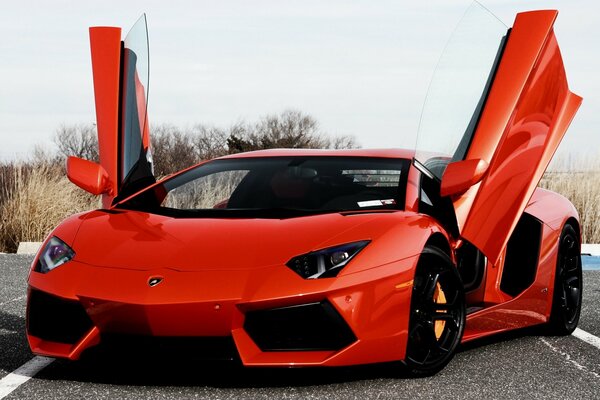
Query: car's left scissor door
{"x":121,"y":75}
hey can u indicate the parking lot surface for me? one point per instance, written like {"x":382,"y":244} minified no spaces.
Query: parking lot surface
{"x":516,"y":366}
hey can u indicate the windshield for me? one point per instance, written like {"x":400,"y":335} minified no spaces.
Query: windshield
{"x":303,"y":185}
{"x":458,"y":89}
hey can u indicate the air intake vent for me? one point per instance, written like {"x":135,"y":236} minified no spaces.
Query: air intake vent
{"x":305,"y":327}
{"x":55,"y":319}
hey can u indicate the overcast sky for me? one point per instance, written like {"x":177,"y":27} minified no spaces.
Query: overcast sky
{"x":359,"y":67}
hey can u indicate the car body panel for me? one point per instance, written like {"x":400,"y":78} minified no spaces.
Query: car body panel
{"x":105,"y":43}
{"x":533,"y":306}
{"x":232,"y":244}
{"x":526,"y":114}
{"x":175,"y":308}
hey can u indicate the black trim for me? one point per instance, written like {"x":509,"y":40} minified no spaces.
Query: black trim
{"x":120,"y":121}
{"x":522,"y":256}
{"x":471,"y":265}
{"x":467,"y":139}
{"x":441,"y":208}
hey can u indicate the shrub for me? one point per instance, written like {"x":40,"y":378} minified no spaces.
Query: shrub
{"x":583,"y":190}
{"x":36,"y":197}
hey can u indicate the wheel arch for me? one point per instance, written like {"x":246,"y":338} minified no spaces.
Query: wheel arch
{"x":438,"y":247}
{"x":394,"y":237}
{"x":552,"y":209}
{"x":575,"y":223}
{"x":563,"y":318}
{"x":440,"y":241}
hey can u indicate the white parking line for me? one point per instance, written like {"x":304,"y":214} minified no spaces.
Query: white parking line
{"x":587,"y":337}
{"x":10,"y":301}
{"x":22,"y":374}
{"x":581,"y":335}
{"x":568,"y":358}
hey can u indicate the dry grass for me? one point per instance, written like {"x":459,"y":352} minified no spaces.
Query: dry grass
{"x":205,"y":192}
{"x":583,"y":189}
{"x":36,"y":196}
{"x":34,"y":199}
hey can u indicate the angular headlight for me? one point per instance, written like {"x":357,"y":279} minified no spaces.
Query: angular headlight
{"x":325,"y":263}
{"x":55,"y":253}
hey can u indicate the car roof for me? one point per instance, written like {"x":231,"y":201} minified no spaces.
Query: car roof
{"x":384,"y":153}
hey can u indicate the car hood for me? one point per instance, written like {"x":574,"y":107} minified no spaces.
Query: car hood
{"x":143,"y":241}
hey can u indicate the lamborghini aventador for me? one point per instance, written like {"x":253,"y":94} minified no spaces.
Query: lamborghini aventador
{"x":325,"y":257}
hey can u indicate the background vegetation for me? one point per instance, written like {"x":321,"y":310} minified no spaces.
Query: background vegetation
{"x":582,"y":187}
{"x":35,"y":194}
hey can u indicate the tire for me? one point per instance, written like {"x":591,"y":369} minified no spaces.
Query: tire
{"x":437,"y":321}
{"x":566,"y":299}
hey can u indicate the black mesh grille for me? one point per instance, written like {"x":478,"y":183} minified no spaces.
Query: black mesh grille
{"x":305,"y":327}
{"x":54,"y":319}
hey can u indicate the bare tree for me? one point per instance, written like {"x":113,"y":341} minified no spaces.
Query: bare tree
{"x":78,"y":140}
{"x":209,"y":141}
{"x":172,"y":149}
{"x":341,"y":142}
{"x":291,"y":129}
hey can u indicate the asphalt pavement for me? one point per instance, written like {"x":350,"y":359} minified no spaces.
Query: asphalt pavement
{"x":515,"y":366}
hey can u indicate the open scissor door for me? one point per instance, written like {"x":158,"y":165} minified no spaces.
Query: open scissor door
{"x":121,"y":75}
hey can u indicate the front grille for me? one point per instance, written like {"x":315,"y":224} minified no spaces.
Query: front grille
{"x":304,"y":327}
{"x":55,"y":319}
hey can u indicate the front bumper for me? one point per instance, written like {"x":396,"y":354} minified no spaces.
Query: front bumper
{"x":274,"y":317}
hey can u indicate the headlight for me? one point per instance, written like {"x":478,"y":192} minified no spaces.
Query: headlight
{"x":55,"y":253}
{"x":325,"y":263}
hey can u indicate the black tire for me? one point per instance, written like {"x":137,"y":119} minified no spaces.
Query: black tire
{"x":435,"y":328}
{"x":566,"y":300}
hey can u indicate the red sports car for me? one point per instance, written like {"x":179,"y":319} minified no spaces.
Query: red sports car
{"x":326,"y":257}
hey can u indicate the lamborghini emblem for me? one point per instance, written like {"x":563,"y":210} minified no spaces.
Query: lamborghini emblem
{"x":155,"y":280}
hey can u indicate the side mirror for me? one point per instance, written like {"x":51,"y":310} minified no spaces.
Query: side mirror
{"x":88,"y":175}
{"x":459,"y":176}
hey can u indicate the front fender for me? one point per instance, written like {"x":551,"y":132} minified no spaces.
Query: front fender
{"x":401,"y":236}
{"x":551,"y":208}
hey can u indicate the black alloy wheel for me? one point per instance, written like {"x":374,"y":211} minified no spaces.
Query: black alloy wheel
{"x":566,"y":301}
{"x":437,"y":314}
